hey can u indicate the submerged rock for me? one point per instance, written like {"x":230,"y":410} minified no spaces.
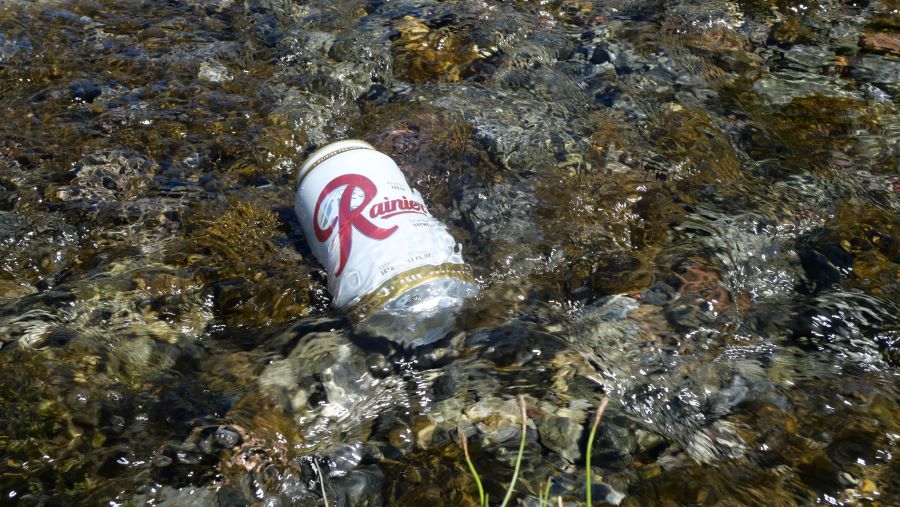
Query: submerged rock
{"x":880,"y":71}
{"x":885,"y":42}
{"x":725,"y":169}
{"x":214,"y":72}
{"x":620,"y":342}
{"x":35,"y":250}
{"x":361,"y":487}
{"x":423,"y":54}
{"x":498,"y":421}
{"x":561,"y":429}
{"x":785,"y":86}
{"x":110,"y":175}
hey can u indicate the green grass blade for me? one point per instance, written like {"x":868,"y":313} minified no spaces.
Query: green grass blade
{"x":545,"y":495}
{"x":482,"y":500}
{"x":515,"y":477}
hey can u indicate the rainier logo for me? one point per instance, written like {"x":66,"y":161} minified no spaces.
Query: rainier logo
{"x":393,"y":207}
{"x":349,"y":217}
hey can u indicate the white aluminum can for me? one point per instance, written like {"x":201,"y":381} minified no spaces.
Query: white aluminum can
{"x":370,"y":230}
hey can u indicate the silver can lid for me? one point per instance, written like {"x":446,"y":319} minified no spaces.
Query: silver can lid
{"x":328,"y":151}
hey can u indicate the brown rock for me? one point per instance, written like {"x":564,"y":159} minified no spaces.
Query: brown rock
{"x":423,"y":427}
{"x":882,"y":42}
{"x":422,"y":54}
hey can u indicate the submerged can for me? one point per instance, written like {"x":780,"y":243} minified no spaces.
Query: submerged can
{"x":382,"y":249}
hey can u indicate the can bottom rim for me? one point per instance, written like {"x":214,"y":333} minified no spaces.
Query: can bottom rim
{"x":402,"y":282}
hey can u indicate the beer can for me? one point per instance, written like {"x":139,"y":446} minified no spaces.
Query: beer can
{"x":372,"y":232}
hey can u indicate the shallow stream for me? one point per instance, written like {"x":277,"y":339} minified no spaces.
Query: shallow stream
{"x":689,"y":207}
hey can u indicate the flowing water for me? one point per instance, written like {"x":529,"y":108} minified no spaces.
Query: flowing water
{"x":689,"y":207}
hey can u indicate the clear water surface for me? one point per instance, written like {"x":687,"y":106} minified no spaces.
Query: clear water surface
{"x":690,"y":207}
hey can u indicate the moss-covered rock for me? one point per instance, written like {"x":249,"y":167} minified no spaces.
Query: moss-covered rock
{"x":253,"y":281}
{"x":425,"y":54}
{"x":814,"y":125}
{"x":435,"y":148}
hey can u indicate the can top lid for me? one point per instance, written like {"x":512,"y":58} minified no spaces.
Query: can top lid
{"x":328,"y":151}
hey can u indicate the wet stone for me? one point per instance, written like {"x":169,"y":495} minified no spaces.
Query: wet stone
{"x":172,"y":497}
{"x":229,"y":496}
{"x":658,"y":294}
{"x":518,"y":138}
{"x":8,"y":195}
{"x":809,"y":58}
{"x":214,"y":72}
{"x":448,"y":412}
{"x":560,"y":429}
{"x":785,"y":86}
{"x":882,"y":42}
{"x":279,"y":380}
{"x":607,"y":494}
{"x":423,"y":428}
{"x":344,"y":458}
{"x":616,"y":444}
{"x":422,"y":54}
{"x":36,"y":247}
{"x":227,"y":438}
{"x":109,"y":175}
{"x":689,"y":207}
{"x":880,"y":71}
{"x":361,"y":487}
{"x":493,"y":413}
{"x":10,"y":47}
{"x":299,"y":47}
{"x":819,"y":473}
{"x":502,"y":211}
{"x":85,"y":91}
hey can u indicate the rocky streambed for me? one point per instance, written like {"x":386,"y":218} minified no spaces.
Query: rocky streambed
{"x":689,"y":208}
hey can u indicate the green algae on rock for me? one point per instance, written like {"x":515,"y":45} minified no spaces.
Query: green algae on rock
{"x":423,"y":54}
{"x":730,"y":166}
{"x":232,"y":247}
